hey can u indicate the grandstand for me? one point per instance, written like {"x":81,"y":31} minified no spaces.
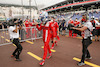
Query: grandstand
{"x":74,"y":8}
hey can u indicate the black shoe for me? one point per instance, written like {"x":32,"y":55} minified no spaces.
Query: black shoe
{"x":18,"y":60}
{"x":97,"y":40}
{"x":81,"y":64}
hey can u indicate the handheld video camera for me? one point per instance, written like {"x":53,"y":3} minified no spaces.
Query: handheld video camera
{"x":20,"y":21}
{"x":74,"y":31}
{"x":12,"y":22}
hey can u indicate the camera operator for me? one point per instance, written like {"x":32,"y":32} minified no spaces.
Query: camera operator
{"x":86,"y":35}
{"x":14,"y":37}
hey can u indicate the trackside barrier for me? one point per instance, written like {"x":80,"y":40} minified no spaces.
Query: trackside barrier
{"x":26,"y":33}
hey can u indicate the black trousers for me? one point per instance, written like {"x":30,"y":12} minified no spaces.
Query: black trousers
{"x":85,"y":51}
{"x":19,"y":48}
{"x":60,"y":28}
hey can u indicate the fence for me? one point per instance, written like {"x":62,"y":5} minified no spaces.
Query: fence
{"x":26,"y":33}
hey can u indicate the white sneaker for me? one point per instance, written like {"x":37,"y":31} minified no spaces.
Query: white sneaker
{"x":81,"y":64}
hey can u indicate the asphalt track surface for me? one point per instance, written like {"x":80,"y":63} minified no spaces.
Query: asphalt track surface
{"x":66,"y":54}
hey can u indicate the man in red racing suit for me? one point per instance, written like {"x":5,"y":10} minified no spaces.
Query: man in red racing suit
{"x":34,"y":31}
{"x":76,"y":23}
{"x":56,"y":32}
{"x":46,"y":38}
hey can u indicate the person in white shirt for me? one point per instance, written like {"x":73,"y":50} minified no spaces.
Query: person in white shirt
{"x":86,"y":35}
{"x":14,"y":37}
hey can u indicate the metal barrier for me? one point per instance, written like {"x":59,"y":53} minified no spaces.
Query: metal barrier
{"x":26,"y":33}
{"x":30,"y":33}
{"x":4,"y":37}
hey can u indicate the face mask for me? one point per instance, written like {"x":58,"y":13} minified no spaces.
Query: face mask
{"x":51,"y":20}
{"x":76,"y":19}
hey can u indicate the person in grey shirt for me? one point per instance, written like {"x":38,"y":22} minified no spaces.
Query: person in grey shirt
{"x":87,"y":40}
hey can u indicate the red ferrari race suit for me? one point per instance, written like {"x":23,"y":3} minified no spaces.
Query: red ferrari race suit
{"x":53,"y":35}
{"x":46,"y":37}
{"x":75,"y":24}
{"x":34,"y":31}
{"x":27,"y":25}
